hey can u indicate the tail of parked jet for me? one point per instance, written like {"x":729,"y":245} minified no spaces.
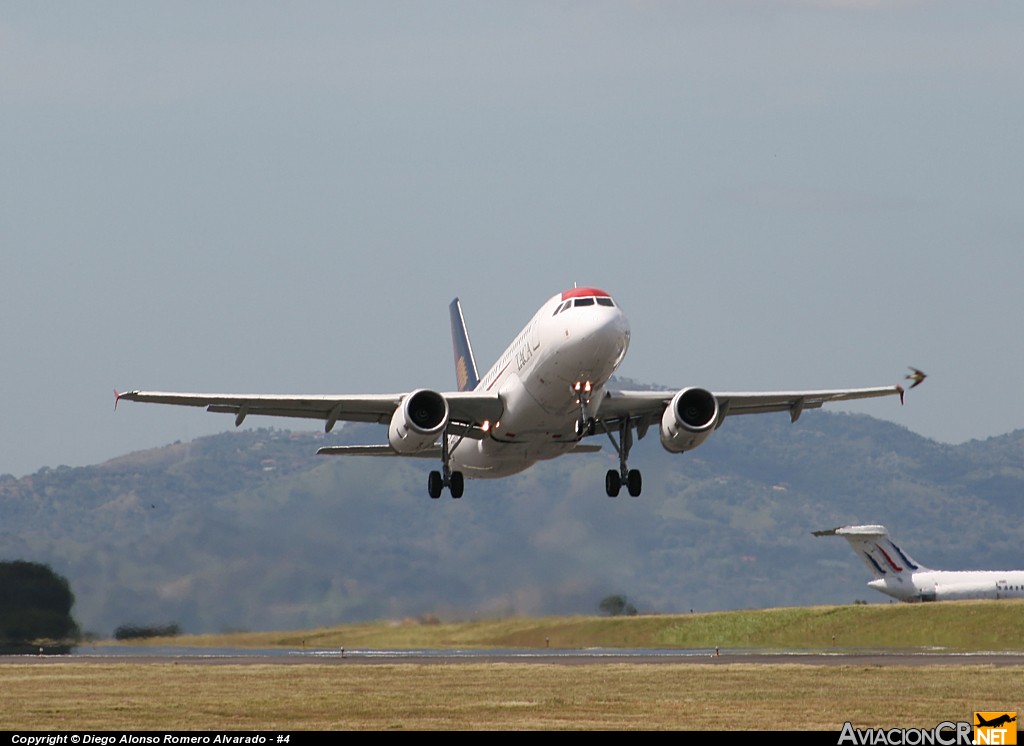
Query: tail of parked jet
{"x":882,"y":556}
{"x":898,"y":575}
{"x":466,"y":376}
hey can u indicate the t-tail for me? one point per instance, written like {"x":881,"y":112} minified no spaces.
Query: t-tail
{"x":880,"y":554}
{"x":466,"y":377}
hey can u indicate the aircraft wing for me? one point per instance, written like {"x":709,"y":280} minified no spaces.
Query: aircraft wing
{"x":649,"y":405}
{"x":465,"y":407}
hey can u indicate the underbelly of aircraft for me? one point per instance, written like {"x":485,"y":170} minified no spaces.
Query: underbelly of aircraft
{"x":541,"y":415}
{"x":492,"y":459}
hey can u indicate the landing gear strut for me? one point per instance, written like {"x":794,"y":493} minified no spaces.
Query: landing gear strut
{"x":585,"y":423}
{"x":453,"y":480}
{"x":614,"y":480}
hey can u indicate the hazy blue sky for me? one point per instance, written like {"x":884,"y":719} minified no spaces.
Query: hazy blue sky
{"x":283,"y":198}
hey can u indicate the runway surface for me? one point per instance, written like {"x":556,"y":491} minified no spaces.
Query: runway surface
{"x":594,"y":656}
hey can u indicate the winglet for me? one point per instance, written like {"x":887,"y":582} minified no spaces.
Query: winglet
{"x":117,"y":398}
{"x":901,"y":392}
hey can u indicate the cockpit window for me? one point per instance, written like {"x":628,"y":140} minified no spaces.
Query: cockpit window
{"x":589,"y":301}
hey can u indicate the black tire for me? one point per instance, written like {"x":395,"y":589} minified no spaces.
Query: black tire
{"x":457,"y":484}
{"x":435,"y":484}
{"x":634,"y":483}
{"x":612,"y":483}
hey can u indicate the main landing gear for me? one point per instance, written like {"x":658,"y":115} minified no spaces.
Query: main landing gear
{"x":585,"y":425}
{"x":453,"y":480}
{"x":614,"y":480}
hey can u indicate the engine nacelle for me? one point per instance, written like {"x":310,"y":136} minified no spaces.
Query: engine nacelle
{"x":689,"y":419}
{"x":419,"y":420}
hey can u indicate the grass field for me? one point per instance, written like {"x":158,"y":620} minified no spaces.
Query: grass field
{"x":962,"y":625}
{"x":352,"y":695}
{"x":508,"y":696}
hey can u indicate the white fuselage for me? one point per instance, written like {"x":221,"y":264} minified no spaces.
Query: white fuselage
{"x":950,"y":585}
{"x":577,"y":337}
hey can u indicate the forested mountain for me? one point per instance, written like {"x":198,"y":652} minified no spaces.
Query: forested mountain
{"x":252,"y":530}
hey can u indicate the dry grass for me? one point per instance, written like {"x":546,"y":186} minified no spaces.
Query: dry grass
{"x":466,"y":695}
{"x":509,"y":696}
{"x":963,"y":625}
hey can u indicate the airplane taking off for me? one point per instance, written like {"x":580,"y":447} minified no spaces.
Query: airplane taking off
{"x":899,"y":576}
{"x":544,"y":396}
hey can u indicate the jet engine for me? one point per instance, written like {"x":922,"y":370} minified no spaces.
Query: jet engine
{"x":419,"y":420}
{"x":689,"y":419}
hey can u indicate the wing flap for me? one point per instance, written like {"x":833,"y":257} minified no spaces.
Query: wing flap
{"x":795,"y":402}
{"x":467,"y":408}
{"x":369,"y":408}
{"x":650,"y":404}
{"x":280,"y":411}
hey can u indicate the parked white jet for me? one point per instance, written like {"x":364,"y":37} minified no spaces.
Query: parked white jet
{"x":899,"y":576}
{"x":546,"y":394}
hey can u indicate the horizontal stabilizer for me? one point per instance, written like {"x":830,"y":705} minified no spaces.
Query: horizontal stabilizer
{"x":383,"y":450}
{"x":872,"y":543}
{"x":863,"y":531}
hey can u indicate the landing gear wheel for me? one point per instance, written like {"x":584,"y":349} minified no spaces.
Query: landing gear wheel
{"x":612,"y":483}
{"x":456,"y":484}
{"x":634,"y":483}
{"x":435,"y":484}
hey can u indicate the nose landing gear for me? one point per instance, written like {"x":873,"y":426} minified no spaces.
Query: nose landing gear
{"x":585,"y":423}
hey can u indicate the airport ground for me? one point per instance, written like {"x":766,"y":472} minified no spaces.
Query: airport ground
{"x":188,"y":696}
{"x":887,"y":687}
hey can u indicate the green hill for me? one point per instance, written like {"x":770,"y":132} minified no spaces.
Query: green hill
{"x":251,"y":530}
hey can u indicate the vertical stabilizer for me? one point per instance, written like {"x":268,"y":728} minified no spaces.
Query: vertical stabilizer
{"x":466,"y":377}
{"x":880,"y":554}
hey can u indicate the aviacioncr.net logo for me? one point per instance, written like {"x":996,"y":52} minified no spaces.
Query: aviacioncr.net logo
{"x":943,"y":734}
{"x":995,"y":728}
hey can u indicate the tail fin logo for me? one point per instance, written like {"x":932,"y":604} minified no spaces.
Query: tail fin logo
{"x":906,"y":557}
{"x":888,"y":559}
{"x":461,"y":374}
